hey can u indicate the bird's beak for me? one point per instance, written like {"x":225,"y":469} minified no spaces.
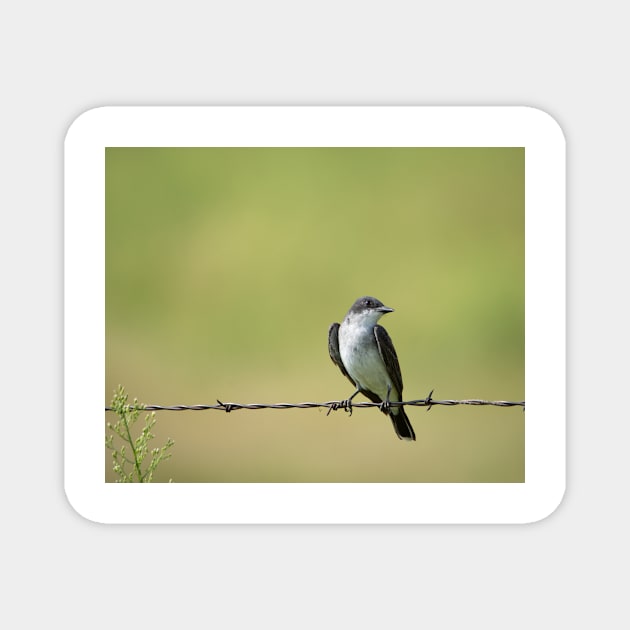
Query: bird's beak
{"x":385,"y":309}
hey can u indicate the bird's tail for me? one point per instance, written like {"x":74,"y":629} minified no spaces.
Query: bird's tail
{"x":401,"y":423}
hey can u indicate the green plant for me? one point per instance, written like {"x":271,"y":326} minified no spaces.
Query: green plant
{"x":128,"y":460}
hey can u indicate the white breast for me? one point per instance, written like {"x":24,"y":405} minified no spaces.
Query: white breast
{"x":361,"y":358}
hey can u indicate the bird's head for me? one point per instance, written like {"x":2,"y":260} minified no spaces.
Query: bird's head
{"x":368,"y":310}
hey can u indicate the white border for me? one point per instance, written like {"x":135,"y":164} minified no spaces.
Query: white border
{"x":314,"y":126}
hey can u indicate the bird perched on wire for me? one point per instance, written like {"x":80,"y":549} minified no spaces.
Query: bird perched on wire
{"x":365,"y":354}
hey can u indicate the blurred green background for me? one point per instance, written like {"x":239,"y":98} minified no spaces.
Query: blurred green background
{"x":225,"y":267}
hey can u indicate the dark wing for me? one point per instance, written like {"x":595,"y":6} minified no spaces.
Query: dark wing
{"x":333,"y":350}
{"x":388,"y":354}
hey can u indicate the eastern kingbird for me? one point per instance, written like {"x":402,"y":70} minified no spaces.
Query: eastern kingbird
{"x":365,"y":354}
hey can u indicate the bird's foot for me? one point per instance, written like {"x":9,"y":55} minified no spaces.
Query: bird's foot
{"x":385,"y":407}
{"x":428,"y":400}
{"x":346,"y":405}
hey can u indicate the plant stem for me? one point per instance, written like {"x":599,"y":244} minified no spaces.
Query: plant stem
{"x":133,"y":449}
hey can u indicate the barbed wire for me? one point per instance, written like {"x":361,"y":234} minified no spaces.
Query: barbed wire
{"x":332,"y":405}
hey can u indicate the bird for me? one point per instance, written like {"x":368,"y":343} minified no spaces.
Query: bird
{"x":365,"y":354}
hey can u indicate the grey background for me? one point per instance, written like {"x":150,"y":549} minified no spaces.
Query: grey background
{"x":62,"y":58}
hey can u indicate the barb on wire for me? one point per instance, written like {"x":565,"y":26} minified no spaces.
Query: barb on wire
{"x":331,"y":405}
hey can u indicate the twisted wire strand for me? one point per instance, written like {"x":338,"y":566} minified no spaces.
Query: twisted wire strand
{"x":331,"y":405}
